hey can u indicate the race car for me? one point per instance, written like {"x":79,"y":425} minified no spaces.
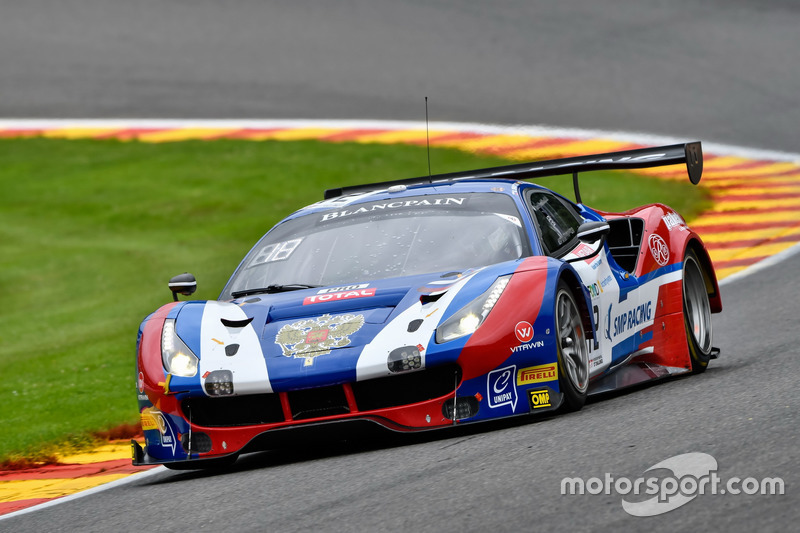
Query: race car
{"x":427,"y":303}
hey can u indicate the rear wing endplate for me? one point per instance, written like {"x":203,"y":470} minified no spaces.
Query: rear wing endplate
{"x":690,"y":154}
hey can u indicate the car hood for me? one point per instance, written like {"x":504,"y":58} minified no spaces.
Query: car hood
{"x":324,"y":336}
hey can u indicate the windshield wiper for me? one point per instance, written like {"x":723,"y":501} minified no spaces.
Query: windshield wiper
{"x":271,"y":289}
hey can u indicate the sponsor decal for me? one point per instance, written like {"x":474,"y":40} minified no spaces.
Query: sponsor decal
{"x":152,"y":419}
{"x":596,"y":288}
{"x":524,"y":331}
{"x":140,"y":382}
{"x":690,"y":474}
{"x":628,"y":320}
{"x":527,"y":346}
{"x":343,"y":289}
{"x":597,"y":361}
{"x":514,"y":220}
{"x":539,"y":398}
{"x":307,"y":339}
{"x":537,"y":374}
{"x":582,"y":250}
{"x":392,"y":205}
{"x":672,"y":220}
{"x":332,"y":296}
{"x":500,"y":387}
{"x":169,"y":440}
{"x":659,"y":249}
{"x":279,"y":251}
{"x":148,"y":421}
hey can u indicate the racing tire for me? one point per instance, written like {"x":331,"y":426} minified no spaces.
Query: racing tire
{"x":696,"y":313}
{"x":572,"y":350}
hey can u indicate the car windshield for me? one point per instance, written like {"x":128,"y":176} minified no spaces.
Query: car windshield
{"x":385,"y":239}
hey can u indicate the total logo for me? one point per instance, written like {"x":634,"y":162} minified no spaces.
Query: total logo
{"x":332,"y":296}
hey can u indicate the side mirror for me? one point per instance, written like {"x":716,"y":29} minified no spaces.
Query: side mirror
{"x":593,"y":231}
{"x":184,"y":284}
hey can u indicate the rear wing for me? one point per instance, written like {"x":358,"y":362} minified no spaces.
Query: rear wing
{"x":690,"y":154}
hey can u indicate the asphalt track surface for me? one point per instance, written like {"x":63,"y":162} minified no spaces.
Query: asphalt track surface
{"x":715,"y":71}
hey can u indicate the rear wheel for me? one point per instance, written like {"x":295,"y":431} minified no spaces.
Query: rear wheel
{"x":696,"y":313}
{"x":573,"y":354}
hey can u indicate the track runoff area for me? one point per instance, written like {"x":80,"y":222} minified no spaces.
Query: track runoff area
{"x":754,"y":222}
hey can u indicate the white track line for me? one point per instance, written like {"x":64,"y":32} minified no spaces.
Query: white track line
{"x":471,"y":127}
{"x":94,"y":490}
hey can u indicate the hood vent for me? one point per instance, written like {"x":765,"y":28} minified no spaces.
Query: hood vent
{"x":428,"y":298}
{"x":235,"y":323}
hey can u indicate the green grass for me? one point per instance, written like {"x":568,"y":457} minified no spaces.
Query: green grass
{"x":90,"y":232}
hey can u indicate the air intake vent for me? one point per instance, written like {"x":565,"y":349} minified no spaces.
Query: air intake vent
{"x":231,"y":411}
{"x":200,"y":443}
{"x":316,"y":403}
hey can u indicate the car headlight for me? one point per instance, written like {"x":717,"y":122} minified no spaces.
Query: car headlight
{"x":469,"y":318}
{"x":177,"y":357}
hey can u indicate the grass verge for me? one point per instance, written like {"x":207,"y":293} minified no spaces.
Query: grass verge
{"x":90,"y":231}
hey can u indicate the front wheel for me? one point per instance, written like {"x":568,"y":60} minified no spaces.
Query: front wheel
{"x":573,"y":354}
{"x":696,"y":313}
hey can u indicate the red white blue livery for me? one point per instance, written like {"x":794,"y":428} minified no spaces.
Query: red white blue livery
{"x":425,"y":303}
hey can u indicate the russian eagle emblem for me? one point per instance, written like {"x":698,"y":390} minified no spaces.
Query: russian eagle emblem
{"x":307,"y":339}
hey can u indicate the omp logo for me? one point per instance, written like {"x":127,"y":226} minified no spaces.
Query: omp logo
{"x":539,"y":398}
{"x":537,"y":374}
{"x":524,"y":331}
{"x":500,"y":387}
{"x":332,"y":296}
{"x":659,"y":249}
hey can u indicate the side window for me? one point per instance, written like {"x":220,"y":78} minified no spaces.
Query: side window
{"x":558,"y":224}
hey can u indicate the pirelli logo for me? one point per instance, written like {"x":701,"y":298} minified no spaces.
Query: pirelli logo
{"x":148,"y":421}
{"x":537,"y":374}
